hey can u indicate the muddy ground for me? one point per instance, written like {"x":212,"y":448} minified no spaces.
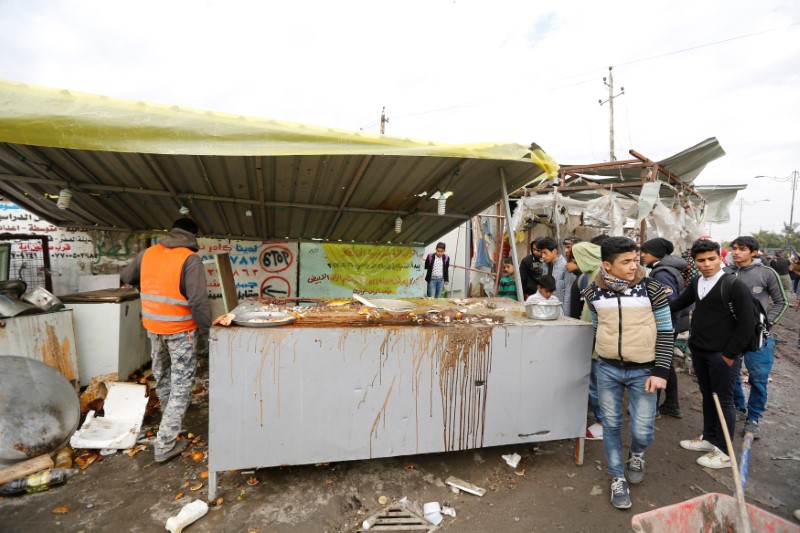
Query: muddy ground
{"x":547,"y":491}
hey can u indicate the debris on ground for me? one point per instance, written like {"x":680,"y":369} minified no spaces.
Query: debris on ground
{"x":465,"y":486}
{"x":512,"y":459}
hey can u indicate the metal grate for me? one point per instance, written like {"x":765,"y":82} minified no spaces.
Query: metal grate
{"x":398,"y":517}
{"x":29,"y":260}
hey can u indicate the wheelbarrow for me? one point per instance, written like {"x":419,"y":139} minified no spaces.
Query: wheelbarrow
{"x":714,"y":512}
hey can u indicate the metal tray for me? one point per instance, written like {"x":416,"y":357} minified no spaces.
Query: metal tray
{"x":263,"y":319}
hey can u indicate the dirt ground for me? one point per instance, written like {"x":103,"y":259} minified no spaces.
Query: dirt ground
{"x":547,"y":491}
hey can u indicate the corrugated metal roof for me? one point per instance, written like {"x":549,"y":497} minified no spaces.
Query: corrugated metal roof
{"x":342,"y":186}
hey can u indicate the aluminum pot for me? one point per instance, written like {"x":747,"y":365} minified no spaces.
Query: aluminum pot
{"x":543,"y":310}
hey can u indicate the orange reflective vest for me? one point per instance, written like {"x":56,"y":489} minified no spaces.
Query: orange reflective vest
{"x":164,"y":309}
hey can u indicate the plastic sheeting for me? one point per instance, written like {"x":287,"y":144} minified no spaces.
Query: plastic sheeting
{"x":59,"y":118}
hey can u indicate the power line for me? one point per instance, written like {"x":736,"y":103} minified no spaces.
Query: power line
{"x":706,"y":45}
{"x":595,"y":70}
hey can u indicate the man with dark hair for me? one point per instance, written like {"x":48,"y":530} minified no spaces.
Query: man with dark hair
{"x":555,"y":265}
{"x":175,"y":312}
{"x":666,"y":269}
{"x":722,"y":325}
{"x":437,"y":267}
{"x":781,"y":267}
{"x":765,"y":285}
{"x":633,"y":339}
{"x":599,"y":239}
{"x":530,"y":268}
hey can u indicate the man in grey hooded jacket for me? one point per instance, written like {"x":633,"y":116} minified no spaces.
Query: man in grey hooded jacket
{"x":175,"y":312}
{"x":765,"y":285}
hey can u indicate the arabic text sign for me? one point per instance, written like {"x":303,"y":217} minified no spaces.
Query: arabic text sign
{"x":329,"y":270}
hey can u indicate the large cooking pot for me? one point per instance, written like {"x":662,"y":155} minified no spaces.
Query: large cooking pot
{"x":39,"y":409}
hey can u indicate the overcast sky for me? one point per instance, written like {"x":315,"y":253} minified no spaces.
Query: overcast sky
{"x":455,"y":71}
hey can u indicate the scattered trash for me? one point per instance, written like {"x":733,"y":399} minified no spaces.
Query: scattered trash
{"x":520,"y":472}
{"x":130,"y":452}
{"x":190,"y":512}
{"x":37,"y":482}
{"x":252,"y":481}
{"x":596,"y":490}
{"x":449,"y":511}
{"x":31,"y":466}
{"x":567,"y":489}
{"x":64,"y":457}
{"x":512,"y":459}
{"x":369,"y":522}
{"x":455,"y":490}
{"x":60,"y":510}
{"x":204,"y":475}
{"x":198,"y":456}
{"x":178,"y":496}
{"x":383,"y":500}
{"x":108,"y":451}
{"x":84,"y":461}
{"x":466,"y":487}
{"x":124,"y":410}
{"x":432,"y":513}
{"x":196,"y":487}
{"x":786,"y":458}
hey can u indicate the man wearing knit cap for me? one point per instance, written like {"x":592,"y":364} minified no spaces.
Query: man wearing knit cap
{"x":666,"y":269}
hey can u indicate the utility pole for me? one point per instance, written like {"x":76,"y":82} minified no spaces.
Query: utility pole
{"x":384,"y":120}
{"x":609,"y":81}
{"x":795,"y":175}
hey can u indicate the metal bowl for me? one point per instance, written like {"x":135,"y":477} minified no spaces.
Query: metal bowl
{"x":543,"y":311}
{"x":39,"y":409}
{"x":263,"y":319}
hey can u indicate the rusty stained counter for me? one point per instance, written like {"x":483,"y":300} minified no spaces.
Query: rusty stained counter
{"x":359,"y":386}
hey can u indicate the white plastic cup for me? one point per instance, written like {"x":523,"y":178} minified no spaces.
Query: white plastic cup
{"x":433,"y":513}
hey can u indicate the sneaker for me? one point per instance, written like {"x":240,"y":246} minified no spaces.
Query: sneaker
{"x":594,"y":432}
{"x":634,"y":468}
{"x":752,"y":427}
{"x":176,"y":450}
{"x":716,"y":458}
{"x":668,"y":410}
{"x":741,"y":415}
{"x":620,"y":495}
{"x":697,"y":445}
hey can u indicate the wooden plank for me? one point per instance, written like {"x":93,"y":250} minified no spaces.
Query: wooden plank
{"x":25,"y":468}
{"x":226,"y":282}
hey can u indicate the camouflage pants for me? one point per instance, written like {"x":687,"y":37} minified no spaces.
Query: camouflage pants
{"x":174,"y":365}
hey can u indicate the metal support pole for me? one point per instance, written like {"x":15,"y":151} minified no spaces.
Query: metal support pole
{"x":741,"y":208}
{"x":467,"y":256}
{"x":795,"y":175}
{"x":517,"y":279}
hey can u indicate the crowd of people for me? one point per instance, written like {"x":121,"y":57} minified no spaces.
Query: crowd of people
{"x":639,"y":299}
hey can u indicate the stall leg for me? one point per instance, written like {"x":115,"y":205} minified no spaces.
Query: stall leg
{"x":212,"y":485}
{"x":579,"y":445}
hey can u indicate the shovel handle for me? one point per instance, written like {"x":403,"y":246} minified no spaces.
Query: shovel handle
{"x":737,"y":484}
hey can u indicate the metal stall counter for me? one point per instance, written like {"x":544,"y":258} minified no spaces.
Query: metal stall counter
{"x":342,"y":381}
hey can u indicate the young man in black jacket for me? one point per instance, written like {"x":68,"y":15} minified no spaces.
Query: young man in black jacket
{"x":722,"y":325}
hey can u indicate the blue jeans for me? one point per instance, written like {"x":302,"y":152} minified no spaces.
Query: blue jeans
{"x":593,"y":403}
{"x":435,"y":287}
{"x":611,"y":384}
{"x":758,"y":364}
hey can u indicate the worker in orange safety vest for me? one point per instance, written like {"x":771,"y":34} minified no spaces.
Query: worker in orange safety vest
{"x":175,"y":312}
